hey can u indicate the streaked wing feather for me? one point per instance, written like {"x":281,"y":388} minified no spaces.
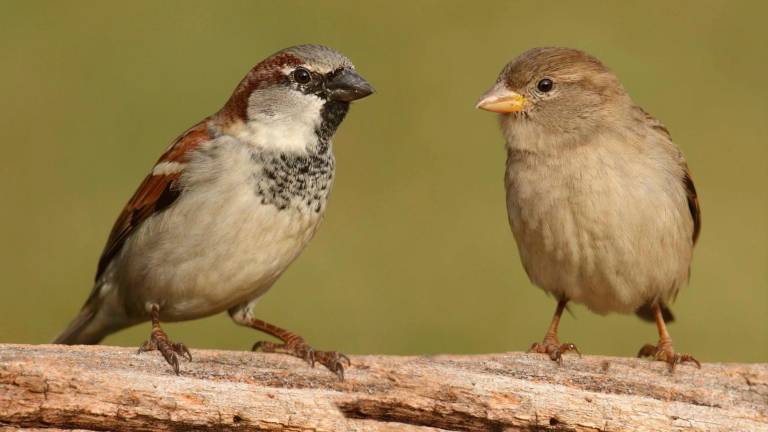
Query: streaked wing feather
{"x":687,"y":180}
{"x":645,"y":311}
{"x":156,"y":193}
{"x":693,"y":203}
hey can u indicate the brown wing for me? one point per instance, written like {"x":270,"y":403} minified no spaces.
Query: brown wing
{"x":693,"y":202}
{"x":690,"y":189}
{"x":645,"y":312}
{"x":158,"y":191}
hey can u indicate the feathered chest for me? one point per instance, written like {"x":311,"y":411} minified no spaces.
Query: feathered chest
{"x":597,"y":187}
{"x":286,"y":180}
{"x":596,"y":206}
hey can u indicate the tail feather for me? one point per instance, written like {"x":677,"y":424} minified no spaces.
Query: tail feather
{"x":645,"y":313}
{"x":82,"y":330}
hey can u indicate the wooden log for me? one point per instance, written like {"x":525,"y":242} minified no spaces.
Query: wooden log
{"x":54,"y":387}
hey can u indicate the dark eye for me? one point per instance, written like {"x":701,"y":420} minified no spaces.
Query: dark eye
{"x":302,"y":76}
{"x":545,"y":85}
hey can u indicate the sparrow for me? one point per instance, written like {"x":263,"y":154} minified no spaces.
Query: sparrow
{"x":600,"y":200}
{"x":227,"y":208}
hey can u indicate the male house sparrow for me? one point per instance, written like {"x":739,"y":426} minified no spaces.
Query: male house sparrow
{"x":228,"y":206}
{"x":600,"y":200}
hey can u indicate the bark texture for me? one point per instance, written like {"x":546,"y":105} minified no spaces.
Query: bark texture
{"x":107,"y":388}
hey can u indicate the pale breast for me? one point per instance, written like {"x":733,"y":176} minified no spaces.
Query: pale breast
{"x":601,"y":226}
{"x":243,"y":218}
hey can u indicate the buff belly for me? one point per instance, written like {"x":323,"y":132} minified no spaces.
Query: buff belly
{"x":592,"y":242}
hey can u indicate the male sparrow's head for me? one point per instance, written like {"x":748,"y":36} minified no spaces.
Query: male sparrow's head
{"x":304,"y":85}
{"x":555,"y":90}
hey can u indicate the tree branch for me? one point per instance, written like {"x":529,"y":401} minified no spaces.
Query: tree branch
{"x":109,"y":388}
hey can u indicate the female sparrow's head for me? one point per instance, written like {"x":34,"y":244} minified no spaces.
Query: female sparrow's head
{"x":559,"y":90}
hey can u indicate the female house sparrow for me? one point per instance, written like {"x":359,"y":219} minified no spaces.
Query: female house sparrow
{"x":228,"y":206}
{"x":600,"y":200}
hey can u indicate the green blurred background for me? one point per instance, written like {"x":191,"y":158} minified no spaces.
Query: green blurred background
{"x":415,"y":255}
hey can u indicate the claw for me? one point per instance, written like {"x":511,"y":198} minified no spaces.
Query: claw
{"x":173,"y":360}
{"x":171,"y":351}
{"x":339,"y":372}
{"x":553,"y":349}
{"x":309,"y":355}
{"x":158,"y":340}
{"x":570,"y":347}
{"x":682,"y":358}
{"x":332,"y":360}
{"x":664,"y":352}
{"x":182,"y":350}
{"x":346,"y":359}
{"x":147,"y":346}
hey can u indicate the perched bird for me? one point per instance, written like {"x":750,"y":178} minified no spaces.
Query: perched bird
{"x":600,"y":200}
{"x":228,"y":206}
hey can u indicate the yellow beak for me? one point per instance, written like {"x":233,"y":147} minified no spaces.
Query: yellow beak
{"x":501,"y":100}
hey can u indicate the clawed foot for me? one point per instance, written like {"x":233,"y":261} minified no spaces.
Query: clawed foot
{"x":332,"y":360}
{"x":170,"y":350}
{"x":664,"y":352}
{"x":554,"y":349}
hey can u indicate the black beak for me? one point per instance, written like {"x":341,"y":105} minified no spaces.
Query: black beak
{"x":346,"y":85}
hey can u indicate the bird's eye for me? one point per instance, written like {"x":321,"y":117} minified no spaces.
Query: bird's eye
{"x":545,"y":85}
{"x":302,"y":76}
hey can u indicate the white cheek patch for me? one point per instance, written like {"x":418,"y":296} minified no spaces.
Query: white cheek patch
{"x":281,"y":119}
{"x":167,"y":168}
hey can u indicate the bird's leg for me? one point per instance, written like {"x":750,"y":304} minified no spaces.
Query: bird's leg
{"x":294,"y":345}
{"x":663,"y":351}
{"x":551,"y":344}
{"x":158,"y":340}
